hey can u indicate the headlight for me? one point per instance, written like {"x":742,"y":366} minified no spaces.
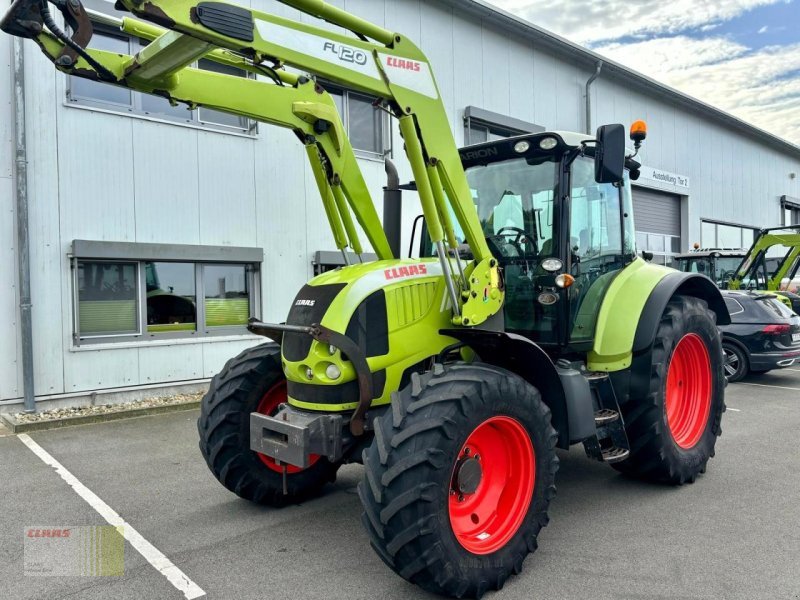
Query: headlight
{"x":521,"y":147}
{"x":332,"y":349}
{"x":309,"y":373}
{"x":548,"y":143}
{"x":552,"y":265}
{"x":333,"y":372}
{"x":548,"y":298}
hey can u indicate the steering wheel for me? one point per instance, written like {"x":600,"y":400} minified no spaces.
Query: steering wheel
{"x":517,"y":241}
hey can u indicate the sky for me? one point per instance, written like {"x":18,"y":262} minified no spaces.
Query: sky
{"x":742,"y":56}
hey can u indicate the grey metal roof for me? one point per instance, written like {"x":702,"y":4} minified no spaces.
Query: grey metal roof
{"x":559,"y":45}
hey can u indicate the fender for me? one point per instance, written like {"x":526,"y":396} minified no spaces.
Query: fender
{"x":521,"y":356}
{"x":687,"y":284}
{"x":637,"y":382}
{"x":632,"y":307}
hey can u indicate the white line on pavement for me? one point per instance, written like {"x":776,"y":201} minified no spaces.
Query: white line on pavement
{"x":152,"y":554}
{"x":779,"y":387}
{"x":733,"y":409}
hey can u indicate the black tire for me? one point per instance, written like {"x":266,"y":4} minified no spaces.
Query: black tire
{"x":655,"y":454}
{"x":736,"y":366}
{"x":224,"y":428}
{"x":409,"y":467}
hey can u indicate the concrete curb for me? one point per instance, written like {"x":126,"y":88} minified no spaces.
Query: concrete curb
{"x":15,"y":427}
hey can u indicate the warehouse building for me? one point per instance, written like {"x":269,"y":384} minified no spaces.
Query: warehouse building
{"x":210,"y":218}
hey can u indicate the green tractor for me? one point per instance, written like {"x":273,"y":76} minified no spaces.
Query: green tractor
{"x":719,"y":264}
{"x":772,"y":264}
{"x":529,"y":324}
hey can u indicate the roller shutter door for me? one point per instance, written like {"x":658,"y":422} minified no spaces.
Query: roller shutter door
{"x":658,"y":223}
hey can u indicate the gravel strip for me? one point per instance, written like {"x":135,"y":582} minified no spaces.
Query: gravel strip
{"x":63,"y":413}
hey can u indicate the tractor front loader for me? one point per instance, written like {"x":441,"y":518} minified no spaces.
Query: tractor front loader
{"x":772,"y":264}
{"x":529,"y":323}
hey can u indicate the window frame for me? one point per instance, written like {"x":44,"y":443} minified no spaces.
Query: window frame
{"x":250,"y":259}
{"x":134,"y":107}
{"x":739,"y":304}
{"x":495,"y":124}
{"x":386,"y":140}
{"x":717,"y":224}
{"x":790,"y":210}
{"x":104,"y":338}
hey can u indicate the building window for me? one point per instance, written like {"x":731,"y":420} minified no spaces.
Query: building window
{"x":663,"y":247}
{"x":366,"y":126}
{"x":484,"y":126}
{"x":89,"y":93}
{"x":108,"y":299}
{"x":147,"y":299}
{"x":726,"y":235}
{"x":226,"y":296}
{"x":791,"y":210}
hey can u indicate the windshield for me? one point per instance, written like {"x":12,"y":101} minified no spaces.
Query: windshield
{"x":514,"y":199}
{"x":719,"y":269}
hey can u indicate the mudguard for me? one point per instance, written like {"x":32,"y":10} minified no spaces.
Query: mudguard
{"x":632,"y":307}
{"x":523,"y":357}
{"x":687,"y":284}
{"x":635,"y":382}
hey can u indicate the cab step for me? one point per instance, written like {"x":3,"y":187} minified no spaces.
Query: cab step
{"x":604,"y":416}
{"x":614,"y":455}
{"x":610,"y":442}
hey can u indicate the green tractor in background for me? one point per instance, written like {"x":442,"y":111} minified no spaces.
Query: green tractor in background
{"x":772,"y":264}
{"x":529,"y":323}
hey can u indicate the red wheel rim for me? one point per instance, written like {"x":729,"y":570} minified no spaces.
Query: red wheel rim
{"x":268,"y":405}
{"x":688,"y":399}
{"x":485,"y":520}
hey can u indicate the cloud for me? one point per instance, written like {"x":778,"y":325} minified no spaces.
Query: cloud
{"x":590,"y":22}
{"x":761,"y":87}
{"x":662,"y":40}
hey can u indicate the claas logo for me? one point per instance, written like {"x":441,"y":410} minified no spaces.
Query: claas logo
{"x":400,"y":272}
{"x":402,"y":63}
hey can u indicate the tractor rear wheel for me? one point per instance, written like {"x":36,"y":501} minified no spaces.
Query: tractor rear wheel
{"x":674,"y":427}
{"x":252,"y":382}
{"x":459,"y":478}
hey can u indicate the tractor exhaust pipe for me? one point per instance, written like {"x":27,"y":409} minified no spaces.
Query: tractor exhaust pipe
{"x":392,"y":208}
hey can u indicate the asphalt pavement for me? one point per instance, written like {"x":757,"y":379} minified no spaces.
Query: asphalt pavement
{"x":734,"y":534}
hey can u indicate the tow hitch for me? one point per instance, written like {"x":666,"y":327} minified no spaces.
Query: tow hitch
{"x":292,"y":436}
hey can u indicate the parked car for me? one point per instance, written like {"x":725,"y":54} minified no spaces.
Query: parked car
{"x":764,"y":334}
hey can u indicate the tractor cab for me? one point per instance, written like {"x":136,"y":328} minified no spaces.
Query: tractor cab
{"x":560,"y":226}
{"x":719,"y":264}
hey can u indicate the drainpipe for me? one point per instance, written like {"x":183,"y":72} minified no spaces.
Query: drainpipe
{"x":589,"y":83}
{"x":23,"y":242}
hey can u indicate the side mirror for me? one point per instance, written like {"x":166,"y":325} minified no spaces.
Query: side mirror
{"x":609,"y":154}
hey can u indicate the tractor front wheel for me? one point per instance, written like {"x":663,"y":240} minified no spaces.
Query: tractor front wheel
{"x":459,"y":478}
{"x":253,"y":382}
{"x":673,"y":426}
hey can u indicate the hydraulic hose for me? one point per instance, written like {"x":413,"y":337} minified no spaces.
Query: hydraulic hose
{"x":50,"y":23}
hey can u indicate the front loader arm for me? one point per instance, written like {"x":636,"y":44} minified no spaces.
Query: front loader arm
{"x":391,"y":68}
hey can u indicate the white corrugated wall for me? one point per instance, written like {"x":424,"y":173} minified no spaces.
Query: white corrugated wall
{"x":117,"y":178}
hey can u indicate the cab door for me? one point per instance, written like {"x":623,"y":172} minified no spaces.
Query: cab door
{"x":602,"y":242}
